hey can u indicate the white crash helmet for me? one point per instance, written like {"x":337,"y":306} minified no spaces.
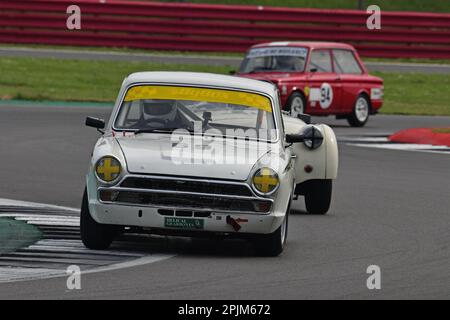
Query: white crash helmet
{"x":160,"y":110}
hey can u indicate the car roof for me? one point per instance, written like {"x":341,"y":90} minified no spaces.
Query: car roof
{"x":307,"y":44}
{"x":200,"y":79}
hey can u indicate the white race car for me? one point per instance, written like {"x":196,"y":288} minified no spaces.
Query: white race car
{"x":197,"y":154}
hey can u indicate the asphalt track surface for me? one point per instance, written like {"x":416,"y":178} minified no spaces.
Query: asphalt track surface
{"x":390,"y":208}
{"x":233,"y":62}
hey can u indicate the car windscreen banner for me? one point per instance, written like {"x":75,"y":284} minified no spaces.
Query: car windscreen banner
{"x":248,"y":99}
{"x":277,"y":51}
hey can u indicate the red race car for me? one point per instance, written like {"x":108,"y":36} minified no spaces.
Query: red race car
{"x":318,"y":78}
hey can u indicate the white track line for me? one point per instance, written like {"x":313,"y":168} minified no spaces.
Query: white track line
{"x":363,"y":139}
{"x":18,"y":203}
{"x":60,"y":249}
{"x":40,"y":216}
{"x":13,"y":274}
{"x":49,"y":219}
{"x":45,"y":220}
{"x":378,"y":142}
{"x":23,"y":274}
{"x":53,"y":223}
{"x":29,"y":274}
{"x":404,"y":147}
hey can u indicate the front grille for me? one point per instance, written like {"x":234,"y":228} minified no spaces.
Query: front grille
{"x":186,"y":186}
{"x":208,"y":202}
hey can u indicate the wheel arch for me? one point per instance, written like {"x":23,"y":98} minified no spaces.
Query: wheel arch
{"x":296,"y":90}
{"x":365,"y":93}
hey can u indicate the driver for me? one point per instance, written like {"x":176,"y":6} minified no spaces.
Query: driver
{"x":160,"y":113}
{"x":286,"y":63}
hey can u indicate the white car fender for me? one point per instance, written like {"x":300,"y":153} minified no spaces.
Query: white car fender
{"x":105,"y":146}
{"x":332,"y":153}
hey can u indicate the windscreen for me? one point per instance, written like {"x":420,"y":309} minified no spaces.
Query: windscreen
{"x":167,"y":108}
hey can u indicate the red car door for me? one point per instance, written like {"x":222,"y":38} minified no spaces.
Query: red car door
{"x":324,"y":90}
{"x":352,"y":77}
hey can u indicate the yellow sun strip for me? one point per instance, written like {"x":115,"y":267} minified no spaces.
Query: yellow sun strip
{"x":247,"y":99}
{"x":107,"y":169}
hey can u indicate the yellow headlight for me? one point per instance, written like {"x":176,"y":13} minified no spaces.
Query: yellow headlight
{"x":265,"y":180}
{"x":108,"y":169}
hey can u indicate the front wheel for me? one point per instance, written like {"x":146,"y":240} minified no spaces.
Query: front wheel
{"x":318,"y":196}
{"x":94,"y":235}
{"x":360,"y":113}
{"x":272,"y":245}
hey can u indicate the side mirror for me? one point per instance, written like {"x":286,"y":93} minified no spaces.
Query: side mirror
{"x":95,"y":123}
{"x":294,"y":138}
{"x":311,"y":136}
{"x":306,"y":118}
{"x":313,"y":70}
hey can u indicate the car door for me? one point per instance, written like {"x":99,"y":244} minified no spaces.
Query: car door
{"x":351,"y":74}
{"x":324,"y":84}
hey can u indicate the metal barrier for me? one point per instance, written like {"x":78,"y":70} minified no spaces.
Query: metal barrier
{"x":200,"y":27}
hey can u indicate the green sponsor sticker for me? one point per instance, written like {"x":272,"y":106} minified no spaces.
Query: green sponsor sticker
{"x":183,"y":223}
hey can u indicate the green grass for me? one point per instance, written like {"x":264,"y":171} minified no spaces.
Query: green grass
{"x":16,"y":234}
{"x":75,"y":80}
{"x":414,"y":93}
{"x":80,"y":80}
{"x":391,"y":5}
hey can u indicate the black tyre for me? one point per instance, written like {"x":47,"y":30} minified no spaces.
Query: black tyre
{"x":360,"y":113}
{"x":272,"y":245}
{"x":318,"y":196}
{"x":94,"y":235}
{"x":296,"y":104}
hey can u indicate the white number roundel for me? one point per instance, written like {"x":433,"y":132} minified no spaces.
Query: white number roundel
{"x":326,"y":95}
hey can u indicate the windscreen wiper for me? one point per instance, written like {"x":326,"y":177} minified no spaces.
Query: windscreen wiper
{"x":160,"y":130}
{"x":157,"y":130}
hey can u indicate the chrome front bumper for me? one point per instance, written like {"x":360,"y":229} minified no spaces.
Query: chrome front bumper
{"x":148,"y":208}
{"x":149,"y":218}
